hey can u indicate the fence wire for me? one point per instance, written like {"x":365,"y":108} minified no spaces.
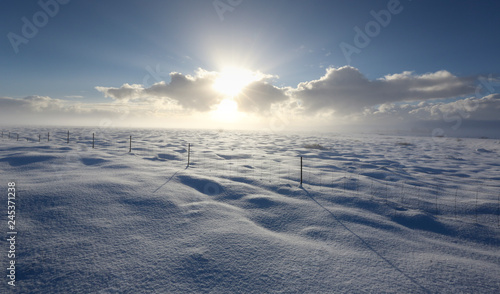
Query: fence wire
{"x":476,"y":201}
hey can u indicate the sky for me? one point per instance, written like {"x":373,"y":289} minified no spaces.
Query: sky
{"x":422,"y":67}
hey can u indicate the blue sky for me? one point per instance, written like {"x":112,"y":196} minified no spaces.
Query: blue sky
{"x":107,"y":44}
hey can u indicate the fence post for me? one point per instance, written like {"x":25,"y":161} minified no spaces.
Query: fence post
{"x":48,"y":136}
{"x":456,"y":192}
{"x":437,"y":191}
{"x":301,"y":171}
{"x":189,"y":152}
{"x":93,"y":140}
{"x":67,"y":141}
{"x":130,"y":146}
{"x":475,"y":210}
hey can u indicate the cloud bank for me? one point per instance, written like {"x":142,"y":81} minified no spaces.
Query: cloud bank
{"x":342,"y":96}
{"x":198,"y":93}
{"x":347,"y":90}
{"x":343,"y":90}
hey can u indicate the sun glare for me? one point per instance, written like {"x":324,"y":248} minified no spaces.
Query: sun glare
{"x":226,"y":111}
{"x":232,"y":80}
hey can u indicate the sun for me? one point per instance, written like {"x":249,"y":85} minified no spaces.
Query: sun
{"x":231,"y":81}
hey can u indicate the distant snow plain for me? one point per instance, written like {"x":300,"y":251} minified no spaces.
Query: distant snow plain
{"x":375,"y":213}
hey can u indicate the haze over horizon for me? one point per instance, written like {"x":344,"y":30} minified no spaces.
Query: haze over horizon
{"x":419,"y":67}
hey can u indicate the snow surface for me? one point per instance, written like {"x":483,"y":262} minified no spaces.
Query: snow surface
{"x":375,"y":213}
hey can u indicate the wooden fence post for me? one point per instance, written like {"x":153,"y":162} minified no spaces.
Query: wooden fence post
{"x":189,"y":153}
{"x":301,"y":171}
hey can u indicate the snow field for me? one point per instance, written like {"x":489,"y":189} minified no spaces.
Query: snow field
{"x":376,"y":214}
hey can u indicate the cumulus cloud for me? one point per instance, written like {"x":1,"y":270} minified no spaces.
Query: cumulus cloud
{"x":342,"y":96}
{"x":485,"y":108}
{"x":43,"y":103}
{"x":191,"y":92}
{"x":259,"y":96}
{"x":125,"y":92}
{"x":344,"y":90}
{"x":347,"y":90}
{"x":462,"y":117}
{"x":198,"y":92}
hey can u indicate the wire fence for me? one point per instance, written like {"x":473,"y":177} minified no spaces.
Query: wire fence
{"x":467,"y":199}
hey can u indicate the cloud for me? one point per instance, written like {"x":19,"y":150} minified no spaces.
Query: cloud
{"x":195,"y":93}
{"x":462,"y":117}
{"x":30,"y":103}
{"x":192,"y":93}
{"x":347,"y":90}
{"x":485,"y":108}
{"x":47,"y":110}
{"x":259,"y":96}
{"x":344,"y":90}
{"x":8,"y":104}
{"x":198,"y":92}
{"x":125,"y":92}
{"x":341,"y":97}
